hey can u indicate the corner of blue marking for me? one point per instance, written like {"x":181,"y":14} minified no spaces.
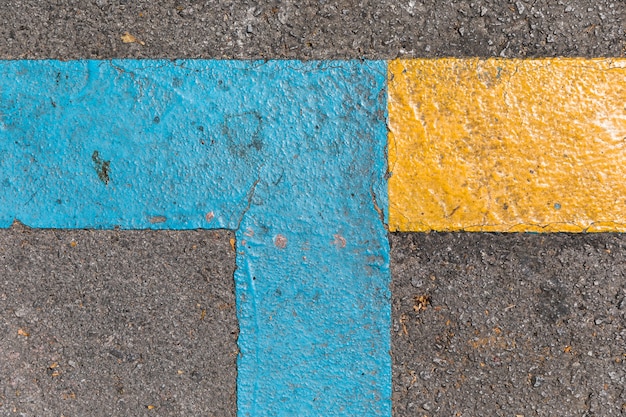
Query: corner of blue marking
{"x":290,"y":154}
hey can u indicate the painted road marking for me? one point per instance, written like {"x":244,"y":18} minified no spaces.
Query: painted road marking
{"x":291,"y":156}
{"x":507,"y":145}
{"x":288,"y":154}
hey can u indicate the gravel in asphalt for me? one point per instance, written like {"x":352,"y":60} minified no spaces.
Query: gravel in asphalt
{"x":109,"y":323}
{"x":333,"y":29}
{"x":509,"y":325}
{"x":483,"y":324}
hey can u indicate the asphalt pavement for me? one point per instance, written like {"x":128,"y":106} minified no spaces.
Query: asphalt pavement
{"x":140,"y":323}
{"x":491,"y":324}
{"x":110,"y":323}
{"x":252,"y":29}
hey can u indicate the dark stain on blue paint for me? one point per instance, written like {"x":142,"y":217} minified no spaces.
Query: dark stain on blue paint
{"x":242,"y":132}
{"x":102,"y":167}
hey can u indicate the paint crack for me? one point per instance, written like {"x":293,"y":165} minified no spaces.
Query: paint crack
{"x":249,"y":197}
{"x":381,"y":213}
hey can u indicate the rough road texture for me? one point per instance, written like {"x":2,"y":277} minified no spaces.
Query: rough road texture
{"x":97,"y":323}
{"x":332,"y":29}
{"x":509,"y":325}
{"x":114,"y":384}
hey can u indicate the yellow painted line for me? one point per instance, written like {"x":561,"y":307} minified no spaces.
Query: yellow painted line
{"x":507,"y":145}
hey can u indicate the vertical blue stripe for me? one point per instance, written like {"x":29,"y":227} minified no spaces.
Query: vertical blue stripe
{"x":315,"y":315}
{"x":291,"y":155}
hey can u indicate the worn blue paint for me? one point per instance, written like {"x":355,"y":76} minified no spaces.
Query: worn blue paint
{"x":291,"y":155}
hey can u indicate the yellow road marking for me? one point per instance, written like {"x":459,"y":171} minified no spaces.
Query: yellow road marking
{"x":507,"y":145}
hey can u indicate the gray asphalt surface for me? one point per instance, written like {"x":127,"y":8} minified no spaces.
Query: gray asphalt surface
{"x":107,"y":323}
{"x":254,"y":29}
{"x":511,"y":325}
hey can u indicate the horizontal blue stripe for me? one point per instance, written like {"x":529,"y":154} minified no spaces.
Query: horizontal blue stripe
{"x":291,"y":155}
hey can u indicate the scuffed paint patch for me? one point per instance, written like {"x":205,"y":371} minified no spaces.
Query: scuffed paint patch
{"x":102,"y":167}
{"x":291,"y":155}
{"x":507,"y":145}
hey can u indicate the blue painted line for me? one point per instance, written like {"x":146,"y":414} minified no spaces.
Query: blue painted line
{"x":290,"y":155}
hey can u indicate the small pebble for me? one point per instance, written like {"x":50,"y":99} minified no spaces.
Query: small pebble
{"x":416,"y":282}
{"x":440,"y":361}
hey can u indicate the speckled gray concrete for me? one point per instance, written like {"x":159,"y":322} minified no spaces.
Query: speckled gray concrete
{"x":108,"y":323}
{"x":330,"y":29}
{"x":515,"y":325}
